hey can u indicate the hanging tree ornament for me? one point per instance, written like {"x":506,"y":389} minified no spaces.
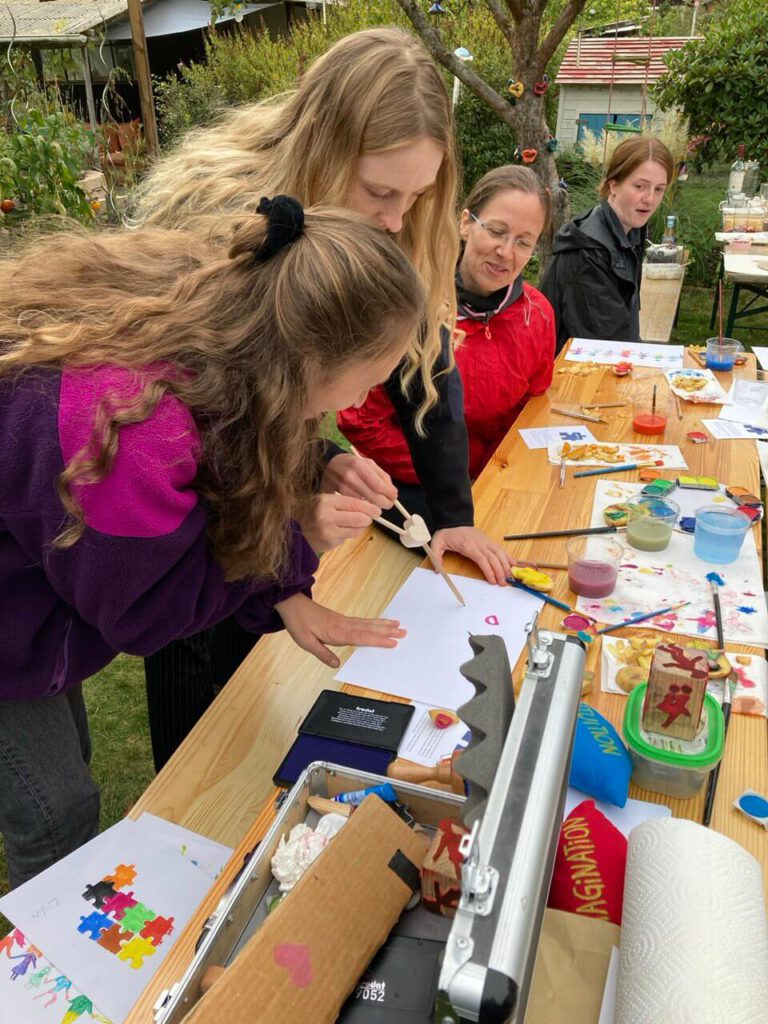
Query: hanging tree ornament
{"x":516,"y":155}
{"x":541,"y":87}
{"x":552,"y":144}
{"x":529,"y":155}
{"x":515,"y":88}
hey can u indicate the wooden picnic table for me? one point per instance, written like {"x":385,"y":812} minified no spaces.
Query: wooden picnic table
{"x":219,"y":781}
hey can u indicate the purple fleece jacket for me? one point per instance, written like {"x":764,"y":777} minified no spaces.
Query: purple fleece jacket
{"x":142,"y":573}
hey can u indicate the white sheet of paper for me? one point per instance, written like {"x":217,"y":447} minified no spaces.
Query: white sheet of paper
{"x":542,"y":437}
{"x":747,"y":403}
{"x":204,"y":853}
{"x":35,"y":991}
{"x":658,"y":579}
{"x":424,"y":666}
{"x":761,"y":355}
{"x":639,"y":353}
{"x":424,"y":743}
{"x":727,"y":430}
{"x":608,"y":1005}
{"x":50,"y":910}
{"x":711,"y":393}
{"x":634,"y":812}
{"x":668,"y":454}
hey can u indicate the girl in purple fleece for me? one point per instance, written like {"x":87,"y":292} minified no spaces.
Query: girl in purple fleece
{"x":158,"y":404}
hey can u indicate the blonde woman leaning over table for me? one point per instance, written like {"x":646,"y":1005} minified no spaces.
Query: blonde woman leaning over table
{"x":158,"y":399}
{"x":506,"y":329}
{"x":368,"y":127}
{"x":593,"y":281}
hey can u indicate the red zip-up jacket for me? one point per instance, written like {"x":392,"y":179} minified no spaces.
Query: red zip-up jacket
{"x":504,"y":359}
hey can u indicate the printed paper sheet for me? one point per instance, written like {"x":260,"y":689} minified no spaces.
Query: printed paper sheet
{"x":108,"y":913}
{"x":660,"y":357}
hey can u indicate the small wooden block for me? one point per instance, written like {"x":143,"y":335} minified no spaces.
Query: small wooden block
{"x":676,"y":687}
{"x":441,"y":871}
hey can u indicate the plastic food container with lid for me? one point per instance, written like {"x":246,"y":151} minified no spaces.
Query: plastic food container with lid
{"x":666,"y":764}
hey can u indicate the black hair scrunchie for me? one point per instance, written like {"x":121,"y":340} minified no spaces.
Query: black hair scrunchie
{"x":285,"y":224}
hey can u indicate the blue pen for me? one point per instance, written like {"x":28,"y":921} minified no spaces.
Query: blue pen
{"x":537,"y":593}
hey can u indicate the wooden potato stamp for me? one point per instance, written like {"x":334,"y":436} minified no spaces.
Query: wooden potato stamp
{"x":676,"y":687}
{"x":441,"y":871}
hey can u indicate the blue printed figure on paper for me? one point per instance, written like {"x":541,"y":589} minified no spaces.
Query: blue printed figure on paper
{"x":77,"y":1007}
{"x":133,"y":952}
{"x":95,"y":923}
{"x":134,"y":919}
{"x":61,"y":983}
{"x":36,"y":979}
{"x":28,"y":960}
{"x":574,"y":435}
{"x":99,"y":893}
{"x":759,"y":431}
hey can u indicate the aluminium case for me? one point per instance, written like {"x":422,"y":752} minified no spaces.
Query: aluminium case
{"x":492,"y":942}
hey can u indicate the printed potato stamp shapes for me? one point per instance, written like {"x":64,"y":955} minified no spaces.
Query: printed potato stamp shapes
{"x":120,"y":923}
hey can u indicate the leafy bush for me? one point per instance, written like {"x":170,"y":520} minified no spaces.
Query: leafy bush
{"x":721,"y":83}
{"x":42,"y":155}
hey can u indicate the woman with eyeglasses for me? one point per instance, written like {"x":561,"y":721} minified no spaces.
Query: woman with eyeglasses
{"x":505,"y":331}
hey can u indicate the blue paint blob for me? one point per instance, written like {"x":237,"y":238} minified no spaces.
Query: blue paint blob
{"x":755,"y":805}
{"x":746,"y":609}
{"x":687,"y":524}
{"x":715,"y":577}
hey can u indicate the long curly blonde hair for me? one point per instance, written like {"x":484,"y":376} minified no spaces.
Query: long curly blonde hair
{"x":372,"y":91}
{"x":242,"y":343}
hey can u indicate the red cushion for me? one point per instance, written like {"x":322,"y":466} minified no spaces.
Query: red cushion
{"x":589,"y":866}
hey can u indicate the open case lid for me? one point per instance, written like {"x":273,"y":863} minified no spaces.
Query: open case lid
{"x":509,"y":853}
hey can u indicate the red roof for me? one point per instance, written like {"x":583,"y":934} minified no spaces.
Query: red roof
{"x":625,"y":61}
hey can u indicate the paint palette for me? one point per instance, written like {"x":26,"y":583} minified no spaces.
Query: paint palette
{"x":754,"y":806}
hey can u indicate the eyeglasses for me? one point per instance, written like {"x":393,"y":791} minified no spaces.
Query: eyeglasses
{"x":524,"y":245}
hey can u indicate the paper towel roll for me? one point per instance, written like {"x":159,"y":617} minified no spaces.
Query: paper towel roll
{"x":694,"y":935}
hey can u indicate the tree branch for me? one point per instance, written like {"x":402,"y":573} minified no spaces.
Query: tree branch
{"x":502,"y":19}
{"x":557,"y":33}
{"x":444,"y":56}
{"x":516,"y":8}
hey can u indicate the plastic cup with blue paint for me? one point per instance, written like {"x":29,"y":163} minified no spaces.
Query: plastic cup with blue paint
{"x":721,"y":353}
{"x":719,"y":533}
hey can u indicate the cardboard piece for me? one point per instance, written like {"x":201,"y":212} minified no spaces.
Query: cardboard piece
{"x":308,"y":955}
{"x":571,"y":968}
{"x":674,"y":699}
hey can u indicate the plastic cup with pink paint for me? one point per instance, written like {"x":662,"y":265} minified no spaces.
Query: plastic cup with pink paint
{"x":593,"y":565}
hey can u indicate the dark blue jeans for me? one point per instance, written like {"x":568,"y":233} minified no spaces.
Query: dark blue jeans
{"x":49,"y":804}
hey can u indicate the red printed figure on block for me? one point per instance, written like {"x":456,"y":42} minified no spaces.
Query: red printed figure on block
{"x":674,"y":700}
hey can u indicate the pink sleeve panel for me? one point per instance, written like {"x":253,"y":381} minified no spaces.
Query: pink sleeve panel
{"x":148,"y":492}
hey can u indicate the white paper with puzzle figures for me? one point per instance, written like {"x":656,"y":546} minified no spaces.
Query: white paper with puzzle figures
{"x":425,"y":664}
{"x":661,"y":357}
{"x":542,"y":437}
{"x":656,"y":579}
{"x":669,"y":455}
{"x":424,"y":743}
{"x":109,"y":912}
{"x":35,"y":991}
{"x":698,"y":386}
